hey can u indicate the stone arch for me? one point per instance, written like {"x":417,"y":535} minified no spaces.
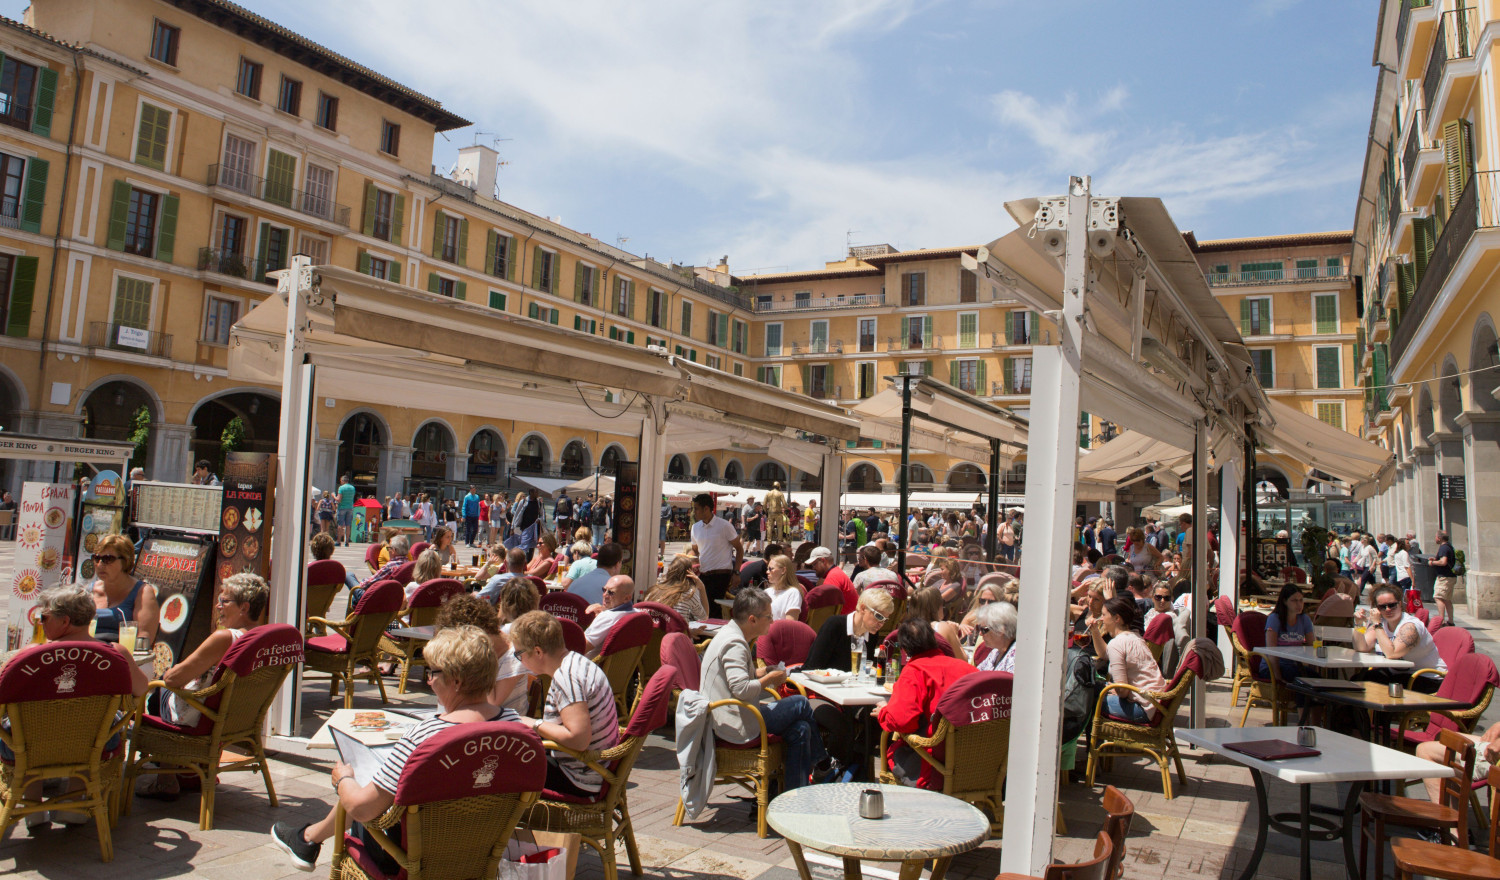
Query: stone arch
{"x":612,"y":454}
{"x":533,"y":453}
{"x":576,"y":460}
{"x":965,"y":476}
{"x":361,"y":434}
{"x":258,"y":411}
{"x":920,"y":474}
{"x":708,"y":468}
{"x":863,"y":476}
{"x":679,"y":466}
{"x":486,"y":448}
{"x":13,"y":402}
{"x":768,"y":472}
{"x":1270,"y":473}
{"x":109,"y":406}
{"x":1450,"y":400}
{"x":154,"y":402}
{"x":1484,"y":355}
{"x":734,"y":472}
{"x":1425,"y":418}
{"x":432,"y":444}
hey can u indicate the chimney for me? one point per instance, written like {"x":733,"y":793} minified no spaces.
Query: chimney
{"x":476,"y":169}
{"x":723,"y":266}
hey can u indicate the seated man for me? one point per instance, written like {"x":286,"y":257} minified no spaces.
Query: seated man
{"x":914,"y":700}
{"x":591,"y":584}
{"x":515,"y":566}
{"x":872,"y":572}
{"x":400,"y":547}
{"x":829,"y":572}
{"x":729,"y":673}
{"x":618,"y":601}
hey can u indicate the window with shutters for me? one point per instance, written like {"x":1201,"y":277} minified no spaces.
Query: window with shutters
{"x":713,"y":329}
{"x":918,"y":331}
{"x":390,"y":138}
{"x":449,"y":232}
{"x":317,"y":197}
{"x":1085,"y":431}
{"x":545,"y":315}
{"x":686,"y":327}
{"x":1219,"y":274}
{"x":140,"y":223}
{"x":289,"y":98}
{"x":219,"y":314}
{"x":500,"y":261}
{"x":132,"y":303}
{"x":914,"y":289}
{"x":866,"y":379}
{"x":1264,"y":362}
{"x":585,"y":325}
{"x":315,"y":248}
{"x":624,"y":297}
{"x":585,"y":284}
{"x":380,"y":268}
{"x":12,"y":175}
{"x":817,"y":337}
{"x":1255,"y":316}
{"x":739,"y":368}
{"x":915,"y":368}
{"x":773,"y":340}
{"x":866,"y":334}
{"x":1328,"y":360}
{"x":1458,"y":158}
{"x":1263,"y":271}
{"x":328,"y":111}
{"x":966,"y":374}
{"x":1334,"y":267}
{"x":968,"y":286}
{"x":8,"y":303}
{"x":164,"y":39}
{"x":1019,"y":379}
{"x":238,"y":168}
{"x":497,"y":300}
{"x":1326,"y":312}
{"x":275,"y":248}
{"x":1307,"y":268}
{"x":17,"y":83}
{"x":1020,"y":328}
{"x":546,"y":270}
{"x":248,"y":82}
{"x":281,"y":177}
{"x":152,"y":136}
{"x":968,"y":329}
{"x":384,"y":209}
{"x":713,"y":361}
{"x":817,"y":382}
{"x":741,"y":337}
{"x":233,"y":231}
{"x":1331,"y":413}
{"x":656,"y":308}
{"x":802,"y":299}
{"x":770,"y":375}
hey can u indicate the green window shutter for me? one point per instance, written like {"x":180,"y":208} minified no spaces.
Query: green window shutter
{"x":22,"y":291}
{"x":536,"y":268}
{"x":927,"y":332}
{"x":439,"y":226}
{"x":510,"y":258}
{"x":553,"y":317}
{"x":463,"y":242}
{"x":578,"y":272}
{"x":905,"y":331}
{"x":46,"y":92}
{"x":630,"y":336}
{"x":927,"y":368}
{"x":371,"y":196}
{"x":981,"y":387}
{"x":760,"y":374}
{"x":491,"y":245}
{"x":261,"y":251}
{"x":724,"y":330}
{"x":806,"y":378}
{"x":531,"y":311}
{"x":432,"y":282}
{"x":118,"y":208}
{"x":281,"y":173}
{"x":166,"y":235}
{"x":394,"y":275}
{"x":497,"y":300}
{"x":35,"y":195}
{"x":362,"y":262}
{"x":1328,"y":367}
{"x":1244,"y":317}
{"x":1406,"y":284}
{"x":151,"y":139}
{"x":1010,"y":375}
{"x":1424,"y":234}
{"x":1010,"y":335}
{"x":613,"y":333}
{"x":1326,"y":309}
{"x":577,"y":322}
{"x":1458,"y":157}
{"x":398,"y":217}
{"x":461,"y":290}
{"x":953,"y":373}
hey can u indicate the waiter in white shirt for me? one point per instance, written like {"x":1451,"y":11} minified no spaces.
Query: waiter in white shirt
{"x":717,"y":545}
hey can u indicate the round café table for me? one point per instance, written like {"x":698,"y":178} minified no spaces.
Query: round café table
{"x":918,"y":826}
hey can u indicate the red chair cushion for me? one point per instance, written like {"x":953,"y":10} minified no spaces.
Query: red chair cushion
{"x":416,"y":550}
{"x":330,"y":644}
{"x":435,"y":592}
{"x":275,"y":644}
{"x":1159,"y":631}
{"x":372,"y":557}
{"x":976,"y":698}
{"x":663,"y":617}
{"x":202,"y":728}
{"x":631,"y":631}
{"x":61,"y":670}
{"x":384,"y":597}
{"x":325,"y":571}
{"x":787,"y":641}
{"x":1452,"y":643}
{"x":678,"y":652}
{"x":355,"y":849}
{"x":821,"y":597}
{"x":564,"y":606}
{"x":469,"y":760}
{"x":550,"y":795}
{"x":1224,"y":610}
{"x":573,"y":636}
{"x":654,"y":702}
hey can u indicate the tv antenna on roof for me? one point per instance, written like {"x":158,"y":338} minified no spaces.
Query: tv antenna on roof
{"x":849,"y":239}
{"x":620,"y":241}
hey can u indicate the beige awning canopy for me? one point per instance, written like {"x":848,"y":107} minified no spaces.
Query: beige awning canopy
{"x":1367,"y":468}
{"x":945,"y":420}
{"x":1110,"y":467}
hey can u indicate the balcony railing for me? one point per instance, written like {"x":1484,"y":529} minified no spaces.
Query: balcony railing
{"x":851,"y":301}
{"x":1297,"y":380}
{"x":906,"y":343}
{"x":279,"y":193}
{"x":1457,"y":32}
{"x":816,"y":346}
{"x":1275,"y":276}
{"x":1476,"y":209}
{"x":14,"y":113}
{"x":132,"y":339}
{"x":1414,"y":143}
{"x":1403,"y":21}
{"x":232,"y":264}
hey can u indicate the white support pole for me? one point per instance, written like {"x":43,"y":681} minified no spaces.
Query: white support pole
{"x":652,"y":467}
{"x":1198,"y":609}
{"x":828,"y":501}
{"x":294,"y":448}
{"x":1051,"y":489}
{"x":1230,"y":516}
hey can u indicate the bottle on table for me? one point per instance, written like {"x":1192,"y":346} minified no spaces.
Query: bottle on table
{"x":880,"y":665}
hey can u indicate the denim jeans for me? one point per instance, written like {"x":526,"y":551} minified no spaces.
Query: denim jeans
{"x":1130,"y":710}
{"x":791,"y":718}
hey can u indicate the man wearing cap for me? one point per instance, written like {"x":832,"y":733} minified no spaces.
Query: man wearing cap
{"x":821,"y":560}
{"x":717,"y":545}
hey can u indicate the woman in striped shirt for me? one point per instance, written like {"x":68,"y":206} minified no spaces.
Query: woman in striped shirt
{"x":580,"y":709}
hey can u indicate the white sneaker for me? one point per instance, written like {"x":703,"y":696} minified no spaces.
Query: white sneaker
{"x":68,"y":817}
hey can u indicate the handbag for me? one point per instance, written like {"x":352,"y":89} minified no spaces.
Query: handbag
{"x":538,"y":855}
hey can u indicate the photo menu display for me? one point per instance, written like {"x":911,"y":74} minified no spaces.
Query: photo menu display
{"x":178,"y":567}
{"x":44,"y":556}
{"x":245,"y":515}
{"x":178,"y":506}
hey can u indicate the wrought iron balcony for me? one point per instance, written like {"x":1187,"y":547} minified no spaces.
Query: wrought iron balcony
{"x":235,"y":265}
{"x":119,"y":337}
{"x":842,"y":301}
{"x":1403,"y":22}
{"x":1457,"y":32}
{"x":279,"y":193}
{"x":1416,"y":140}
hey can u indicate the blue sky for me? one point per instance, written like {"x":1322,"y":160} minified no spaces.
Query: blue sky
{"x":768,"y":130}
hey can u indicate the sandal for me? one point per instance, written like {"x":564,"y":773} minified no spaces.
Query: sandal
{"x":158,"y":792}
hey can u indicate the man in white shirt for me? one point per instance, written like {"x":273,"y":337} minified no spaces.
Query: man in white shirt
{"x":591,"y":585}
{"x":617,"y":601}
{"x":717,"y":545}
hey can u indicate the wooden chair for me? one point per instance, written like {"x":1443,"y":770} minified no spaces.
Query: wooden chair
{"x":1158,"y":633}
{"x":1097,"y":868}
{"x":604,"y":819}
{"x":821,"y":603}
{"x":325,"y":578}
{"x":1449,"y":814}
{"x":232,"y":708}
{"x":1418,"y":857}
{"x":1121,"y":812}
{"x":1452,"y":643}
{"x":574,"y":637}
{"x":969,"y":744}
{"x":620,"y":655}
{"x":68,"y":704}
{"x":421,"y":610}
{"x":1115,"y":736}
{"x":460,"y":795}
{"x":1249,"y":633}
{"x":566,"y":606}
{"x":356,"y":639}
{"x":753,"y":765}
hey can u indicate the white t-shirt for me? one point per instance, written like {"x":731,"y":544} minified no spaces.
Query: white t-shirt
{"x":783,"y":601}
{"x":715,"y":542}
{"x":605,"y":621}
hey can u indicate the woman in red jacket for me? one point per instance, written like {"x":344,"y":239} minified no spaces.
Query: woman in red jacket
{"x":927,"y":673}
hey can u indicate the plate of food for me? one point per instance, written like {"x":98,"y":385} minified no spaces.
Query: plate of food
{"x":86,"y":570}
{"x":369,"y":721}
{"x":829,"y":676}
{"x":174,"y":613}
{"x":228,"y":546}
{"x":231,"y":518}
{"x":253,"y":519}
{"x":250,"y":547}
{"x":90,"y":541}
{"x":54,"y":517}
{"x":882,"y":690}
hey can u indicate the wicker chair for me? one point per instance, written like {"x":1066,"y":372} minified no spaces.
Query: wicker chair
{"x":620,"y":655}
{"x":403,"y":573}
{"x":421,"y":610}
{"x":1225,"y":613}
{"x":1158,"y":633}
{"x":604,"y":819}
{"x":898,"y":593}
{"x":1449,"y":814}
{"x":753,"y":765}
{"x":1097,"y":868}
{"x":1452,"y":643}
{"x":325,"y":578}
{"x":66,"y":702}
{"x":663,"y":620}
{"x":536,"y":695}
{"x":1249,"y":633}
{"x":1115,"y":736}
{"x":574,"y":637}
{"x":821,"y":603}
{"x":372,"y":557}
{"x":356,"y":639}
{"x":233,"y":710}
{"x":459,"y":798}
{"x":1472,"y":680}
{"x":787,"y":641}
{"x":416,"y":549}
{"x":969,"y":744}
{"x":566,"y":606}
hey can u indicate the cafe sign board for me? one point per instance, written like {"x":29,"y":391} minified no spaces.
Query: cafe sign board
{"x":43,"y":558}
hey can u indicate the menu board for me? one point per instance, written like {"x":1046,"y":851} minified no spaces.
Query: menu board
{"x":179,"y":567}
{"x":1271,"y":556}
{"x":245,"y":516}
{"x":627,"y":510}
{"x":99,"y":519}
{"x":44,"y":556}
{"x":182,"y":506}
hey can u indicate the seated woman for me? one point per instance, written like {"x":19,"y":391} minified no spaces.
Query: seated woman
{"x":831,"y":648}
{"x":1398,"y":635}
{"x":952,"y":574}
{"x":429,"y":567}
{"x":468,"y":609}
{"x":580,"y":709}
{"x":461,"y":670}
{"x":927,"y":673}
{"x":541,"y":564}
{"x":1172,"y":567}
{"x":1287,"y":625}
{"x":681,"y":590}
{"x":1140,"y":555}
{"x":983,"y":596}
{"x":784,"y":589}
{"x":442,"y":545}
{"x":120,"y":598}
{"x":517,"y":597}
{"x":926,"y":604}
{"x":581,"y":556}
{"x":1130,"y":660}
{"x":997,"y":627}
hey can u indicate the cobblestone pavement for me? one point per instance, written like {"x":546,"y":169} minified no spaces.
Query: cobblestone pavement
{"x":1207,"y":830}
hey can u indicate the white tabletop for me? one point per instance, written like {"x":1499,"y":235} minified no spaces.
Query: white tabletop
{"x":1343,"y":759}
{"x":343,"y":718}
{"x":850,"y":693}
{"x":1338,"y":658}
{"x":916,"y":824}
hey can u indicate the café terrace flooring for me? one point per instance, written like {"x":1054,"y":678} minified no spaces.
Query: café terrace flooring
{"x":1206,"y":831}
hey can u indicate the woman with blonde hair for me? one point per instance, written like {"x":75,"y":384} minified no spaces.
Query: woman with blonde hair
{"x":583,"y":534}
{"x":581,"y":562}
{"x":119,"y":596}
{"x":429,"y":567}
{"x":681,"y":590}
{"x":987,"y":593}
{"x":543,"y":557}
{"x":784,"y":589}
{"x":927,"y":604}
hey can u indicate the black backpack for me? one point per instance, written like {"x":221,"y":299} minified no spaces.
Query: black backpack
{"x":1081,"y":686}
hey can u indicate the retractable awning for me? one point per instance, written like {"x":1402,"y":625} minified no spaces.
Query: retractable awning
{"x":1117,"y":463}
{"x":549,"y":486}
{"x":1367,"y":468}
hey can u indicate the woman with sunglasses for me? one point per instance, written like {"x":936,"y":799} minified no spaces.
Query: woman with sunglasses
{"x":997,"y":627}
{"x":1390,"y":630}
{"x":119,"y":596}
{"x":830,"y":649}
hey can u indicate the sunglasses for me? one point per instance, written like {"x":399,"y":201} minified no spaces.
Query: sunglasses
{"x":433,"y":673}
{"x":1388,"y":606}
{"x":876,"y":614}
{"x":983,"y":630}
{"x":1162,"y":596}
{"x":105,"y":557}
